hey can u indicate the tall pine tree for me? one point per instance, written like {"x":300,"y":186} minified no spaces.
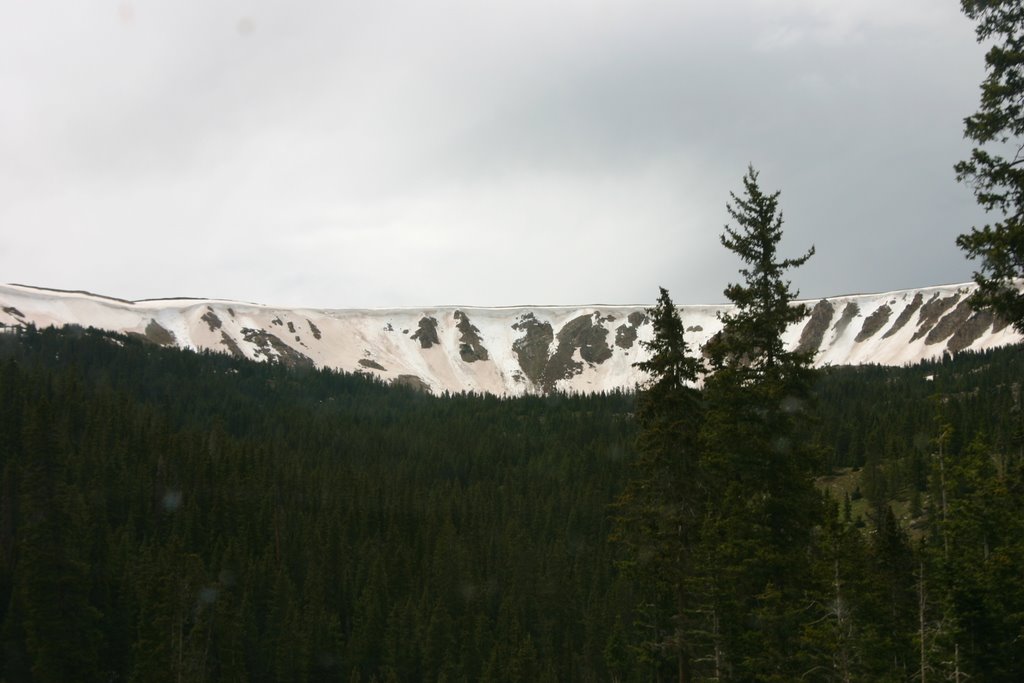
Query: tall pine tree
{"x":754,"y":439}
{"x":662,"y":508}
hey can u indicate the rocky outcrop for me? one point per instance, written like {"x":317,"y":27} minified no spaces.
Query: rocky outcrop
{"x":270,"y":347}
{"x":158,"y":334}
{"x":532,"y":348}
{"x":427,"y":332}
{"x":471,"y":348}
{"x":231,"y":345}
{"x":874,"y":323}
{"x":931,"y":312}
{"x":584,"y":333}
{"x":211,"y":319}
{"x":816,"y":326}
{"x":949,"y":324}
{"x":973,"y":329}
{"x":625,"y":336}
{"x":413,"y":382}
{"x":905,"y":315}
{"x":626,"y":333}
{"x":581,"y":335}
{"x":850,"y":311}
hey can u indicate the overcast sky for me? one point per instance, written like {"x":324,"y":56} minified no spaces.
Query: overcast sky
{"x":343,"y":154}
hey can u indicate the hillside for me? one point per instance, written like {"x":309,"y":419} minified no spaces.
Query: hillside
{"x":511,"y":350}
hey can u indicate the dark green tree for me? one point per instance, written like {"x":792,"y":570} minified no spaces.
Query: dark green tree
{"x":995,"y":169}
{"x":889,"y":600}
{"x":985,"y":528}
{"x":62,"y":627}
{"x":833,"y":641}
{"x":751,"y":341}
{"x":672,"y":370}
{"x":758,"y":457}
{"x":661,"y":510}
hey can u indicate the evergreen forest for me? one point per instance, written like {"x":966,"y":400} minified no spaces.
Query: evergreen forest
{"x":173,"y":516}
{"x":168,"y":515}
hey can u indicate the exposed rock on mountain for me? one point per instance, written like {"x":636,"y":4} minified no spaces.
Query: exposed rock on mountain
{"x":426,"y":332}
{"x":874,"y":323}
{"x":211,"y":319}
{"x":511,"y":350}
{"x":905,"y":315}
{"x":231,"y":345}
{"x":471,"y":348}
{"x":156,"y":334}
{"x":267,"y":346}
{"x":849,"y":313}
{"x":932,"y":311}
{"x":946,"y":327}
{"x":626,"y":333}
{"x":413,"y":382}
{"x":973,"y":329}
{"x":817,"y":325}
{"x":533,"y":348}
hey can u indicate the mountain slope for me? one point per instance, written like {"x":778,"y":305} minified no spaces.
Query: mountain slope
{"x":510,"y":350}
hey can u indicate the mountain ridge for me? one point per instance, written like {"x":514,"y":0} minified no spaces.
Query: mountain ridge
{"x":805,"y":300}
{"x":511,"y":350}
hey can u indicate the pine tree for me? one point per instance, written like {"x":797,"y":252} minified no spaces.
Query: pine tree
{"x":995,"y":170}
{"x":889,"y":600}
{"x":751,"y":340}
{"x":755,"y":446}
{"x":662,"y":508}
{"x":833,"y":642}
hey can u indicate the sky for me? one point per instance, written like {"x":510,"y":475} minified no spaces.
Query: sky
{"x":346,"y":154}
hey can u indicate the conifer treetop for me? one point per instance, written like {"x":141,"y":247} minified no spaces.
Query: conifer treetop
{"x":670,"y":364}
{"x":764,"y":300}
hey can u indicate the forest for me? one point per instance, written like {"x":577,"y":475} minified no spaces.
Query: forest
{"x":168,"y":515}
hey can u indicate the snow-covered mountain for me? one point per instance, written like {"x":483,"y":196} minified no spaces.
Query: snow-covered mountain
{"x":510,"y":350}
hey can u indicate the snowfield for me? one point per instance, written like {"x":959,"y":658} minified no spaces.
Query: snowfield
{"x":511,"y":350}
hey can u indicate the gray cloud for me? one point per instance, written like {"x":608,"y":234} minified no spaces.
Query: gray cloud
{"x":400,"y":153}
